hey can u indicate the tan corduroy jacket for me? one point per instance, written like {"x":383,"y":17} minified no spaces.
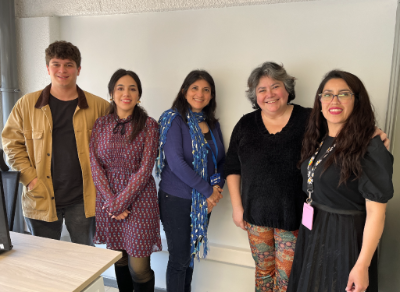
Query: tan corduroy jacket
{"x":27,"y":142}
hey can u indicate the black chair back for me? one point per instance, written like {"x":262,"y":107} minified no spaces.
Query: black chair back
{"x":10,"y":186}
{"x":10,"y":182}
{"x":5,"y":240}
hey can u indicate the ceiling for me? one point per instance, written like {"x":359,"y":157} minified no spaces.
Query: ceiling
{"x":46,"y":8}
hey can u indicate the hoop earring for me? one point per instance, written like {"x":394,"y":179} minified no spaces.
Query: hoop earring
{"x":138,"y":102}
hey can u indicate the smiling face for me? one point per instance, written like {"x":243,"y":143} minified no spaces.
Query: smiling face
{"x":198,"y":95}
{"x":63,"y":72}
{"x":335,"y":112}
{"x":125,"y":96}
{"x":272,"y":96}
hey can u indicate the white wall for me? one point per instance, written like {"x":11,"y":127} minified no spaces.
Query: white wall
{"x":389,"y":255}
{"x":33,"y":36}
{"x":309,"y":38}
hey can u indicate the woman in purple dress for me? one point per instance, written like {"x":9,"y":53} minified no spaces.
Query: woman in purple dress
{"x":123,"y":149}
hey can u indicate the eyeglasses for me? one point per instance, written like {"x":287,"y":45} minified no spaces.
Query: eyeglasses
{"x":342,"y":97}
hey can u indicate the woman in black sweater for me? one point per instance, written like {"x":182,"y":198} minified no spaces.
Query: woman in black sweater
{"x":261,"y":171}
{"x":262,"y":177}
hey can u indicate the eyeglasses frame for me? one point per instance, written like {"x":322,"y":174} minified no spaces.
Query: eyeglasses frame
{"x":333,"y":96}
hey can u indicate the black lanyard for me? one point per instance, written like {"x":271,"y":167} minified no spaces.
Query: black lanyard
{"x":311,"y":170}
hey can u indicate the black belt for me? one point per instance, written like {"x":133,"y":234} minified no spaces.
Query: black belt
{"x":337,"y":211}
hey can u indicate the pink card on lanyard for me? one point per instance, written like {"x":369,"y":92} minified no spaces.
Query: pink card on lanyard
{"x":308,"y":215}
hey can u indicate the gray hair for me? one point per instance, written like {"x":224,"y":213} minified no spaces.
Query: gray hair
{"x":274,"y":71}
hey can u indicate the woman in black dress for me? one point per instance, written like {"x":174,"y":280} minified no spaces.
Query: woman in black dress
{"x":348,"y":179}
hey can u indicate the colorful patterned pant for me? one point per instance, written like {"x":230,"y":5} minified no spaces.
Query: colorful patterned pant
{"x":273,"y":251}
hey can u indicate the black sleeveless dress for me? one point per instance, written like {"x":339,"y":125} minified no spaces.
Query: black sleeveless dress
{"x":325,"y":255}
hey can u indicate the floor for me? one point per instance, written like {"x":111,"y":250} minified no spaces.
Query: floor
{"x":111,"y":289}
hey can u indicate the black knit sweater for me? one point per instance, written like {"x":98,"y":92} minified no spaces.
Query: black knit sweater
{"x":271,"y":183}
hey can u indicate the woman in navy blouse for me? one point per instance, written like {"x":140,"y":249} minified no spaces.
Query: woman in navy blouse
{"x":190,"y":162}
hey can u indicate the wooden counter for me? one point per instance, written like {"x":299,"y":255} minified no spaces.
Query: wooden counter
{"x":42,"y":264}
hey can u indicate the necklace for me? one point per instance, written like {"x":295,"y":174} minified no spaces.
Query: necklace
{"x":312,"y":167}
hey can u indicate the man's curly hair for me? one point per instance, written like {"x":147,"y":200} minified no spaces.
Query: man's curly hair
{"x":63,"y":50}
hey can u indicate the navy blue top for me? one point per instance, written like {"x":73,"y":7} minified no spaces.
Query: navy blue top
{"x":178,"y":177}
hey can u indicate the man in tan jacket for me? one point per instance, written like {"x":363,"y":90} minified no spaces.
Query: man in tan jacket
{"x":47,"y":138}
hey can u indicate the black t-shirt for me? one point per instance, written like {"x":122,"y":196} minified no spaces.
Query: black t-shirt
{"x":375,"y":183}
{"x":66,"y":170}
{"x":207,"y":136}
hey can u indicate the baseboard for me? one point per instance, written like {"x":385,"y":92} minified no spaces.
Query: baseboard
{"x":110,"y":282}
{"x":224,"y":254}
{"x":113,"y":283}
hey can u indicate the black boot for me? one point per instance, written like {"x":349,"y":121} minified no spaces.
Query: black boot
{"x":124,"y":279}
{"x":145,"y":287}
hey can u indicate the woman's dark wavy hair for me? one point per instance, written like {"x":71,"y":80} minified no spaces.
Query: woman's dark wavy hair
{"x":181,"y":105}
{"x":139,"y":115}
{"x":354,"y":137}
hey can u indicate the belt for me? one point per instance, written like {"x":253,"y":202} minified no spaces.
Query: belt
{"x":337,"y":211}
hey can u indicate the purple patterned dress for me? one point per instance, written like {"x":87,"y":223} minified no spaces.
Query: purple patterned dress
{"x":122,"y":174}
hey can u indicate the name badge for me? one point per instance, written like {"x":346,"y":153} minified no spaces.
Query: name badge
{"x":308,"y":215}
{"x":215,"y":179}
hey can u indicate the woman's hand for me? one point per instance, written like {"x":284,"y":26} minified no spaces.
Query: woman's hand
{"x":214,"y":198}
{"x":383,"y":137}
{"x":209,"y":208}
{"x":121,"y":216}
{"x":233,"y":181}
{"x":358,"y":279}
{"x":237,"y":216}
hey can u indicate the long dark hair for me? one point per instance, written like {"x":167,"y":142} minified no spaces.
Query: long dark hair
{"x":181,"y":105}
{"x":354,"y":137}
{"x":139,"y":115}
